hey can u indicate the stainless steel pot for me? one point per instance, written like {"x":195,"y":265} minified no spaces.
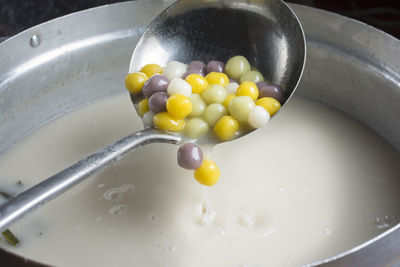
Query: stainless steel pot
{"x":71,"y":61}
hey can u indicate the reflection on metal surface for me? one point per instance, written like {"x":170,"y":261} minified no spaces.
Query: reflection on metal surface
{"x":66,"y":49}
{"x":265,"y":32}
{"x":35,"y":41}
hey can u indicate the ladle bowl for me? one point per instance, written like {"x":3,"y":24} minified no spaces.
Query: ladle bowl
{"x":266,"y":32}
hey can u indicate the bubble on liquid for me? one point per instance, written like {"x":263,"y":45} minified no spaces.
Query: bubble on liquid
{"x":385,"y":221}
{"x":99,"y":220}
{"x":152,"y":217}
{"x":116,"y":194}
{"x":268,"y":232}
{"x":304,"y":189}
{"x":172,"y":248}
{"x":327,"y":231}
{"x":162,"y":246}
{"x":247,"y":216}
{"x":128,"y":188}
{"x":118,"y":209}
{"x":112,"y":231}
{"x":93,"y":124}
{"x":113,"y":194}
{"x":207,"y":213}
{"x":159,"y":231}
{"x":221,"y":230}
{"x":281,"y":189}
{"x":101,"y":186}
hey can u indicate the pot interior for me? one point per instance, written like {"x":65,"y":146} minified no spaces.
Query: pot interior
{"x":84,"y":57}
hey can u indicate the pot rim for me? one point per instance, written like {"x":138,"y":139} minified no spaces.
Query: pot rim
{"x":15,"y":258}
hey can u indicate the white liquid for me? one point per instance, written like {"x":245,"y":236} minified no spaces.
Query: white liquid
{"x":311,"y":184}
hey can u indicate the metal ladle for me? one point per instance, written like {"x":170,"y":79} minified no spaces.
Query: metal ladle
{"x":266,"y":32}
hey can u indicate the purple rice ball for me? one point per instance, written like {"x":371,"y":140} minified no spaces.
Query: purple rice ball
{"x":191,"y":72}
{"x":197,"y":65}
{"x":156,"y":83}
{"x":157,"y":102}
{"x":271,"y":90}
{"x":190,"y":156}
{"x":215,"y":66}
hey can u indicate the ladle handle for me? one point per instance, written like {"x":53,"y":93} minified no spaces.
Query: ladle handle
{"x":38,"y":195}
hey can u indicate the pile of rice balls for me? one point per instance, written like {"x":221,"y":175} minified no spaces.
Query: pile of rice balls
{"x":203,"y":101}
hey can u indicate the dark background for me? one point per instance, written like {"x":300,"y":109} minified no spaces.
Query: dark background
{"x":17,"y":15}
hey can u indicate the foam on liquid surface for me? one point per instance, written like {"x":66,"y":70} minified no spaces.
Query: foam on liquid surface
{"x":309,"y":185}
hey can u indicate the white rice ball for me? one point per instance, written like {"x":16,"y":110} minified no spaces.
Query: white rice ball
{"x":179,"y":86}
{"x":258,"y":117}
{"x":232,"y":88}
{"x":174,"y":69}
{"x":148,"y":119}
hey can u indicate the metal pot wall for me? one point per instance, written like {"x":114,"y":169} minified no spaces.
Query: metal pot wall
{"x":71,"y":61}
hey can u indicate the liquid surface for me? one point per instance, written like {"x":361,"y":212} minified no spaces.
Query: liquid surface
{"x":310,"y":185}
